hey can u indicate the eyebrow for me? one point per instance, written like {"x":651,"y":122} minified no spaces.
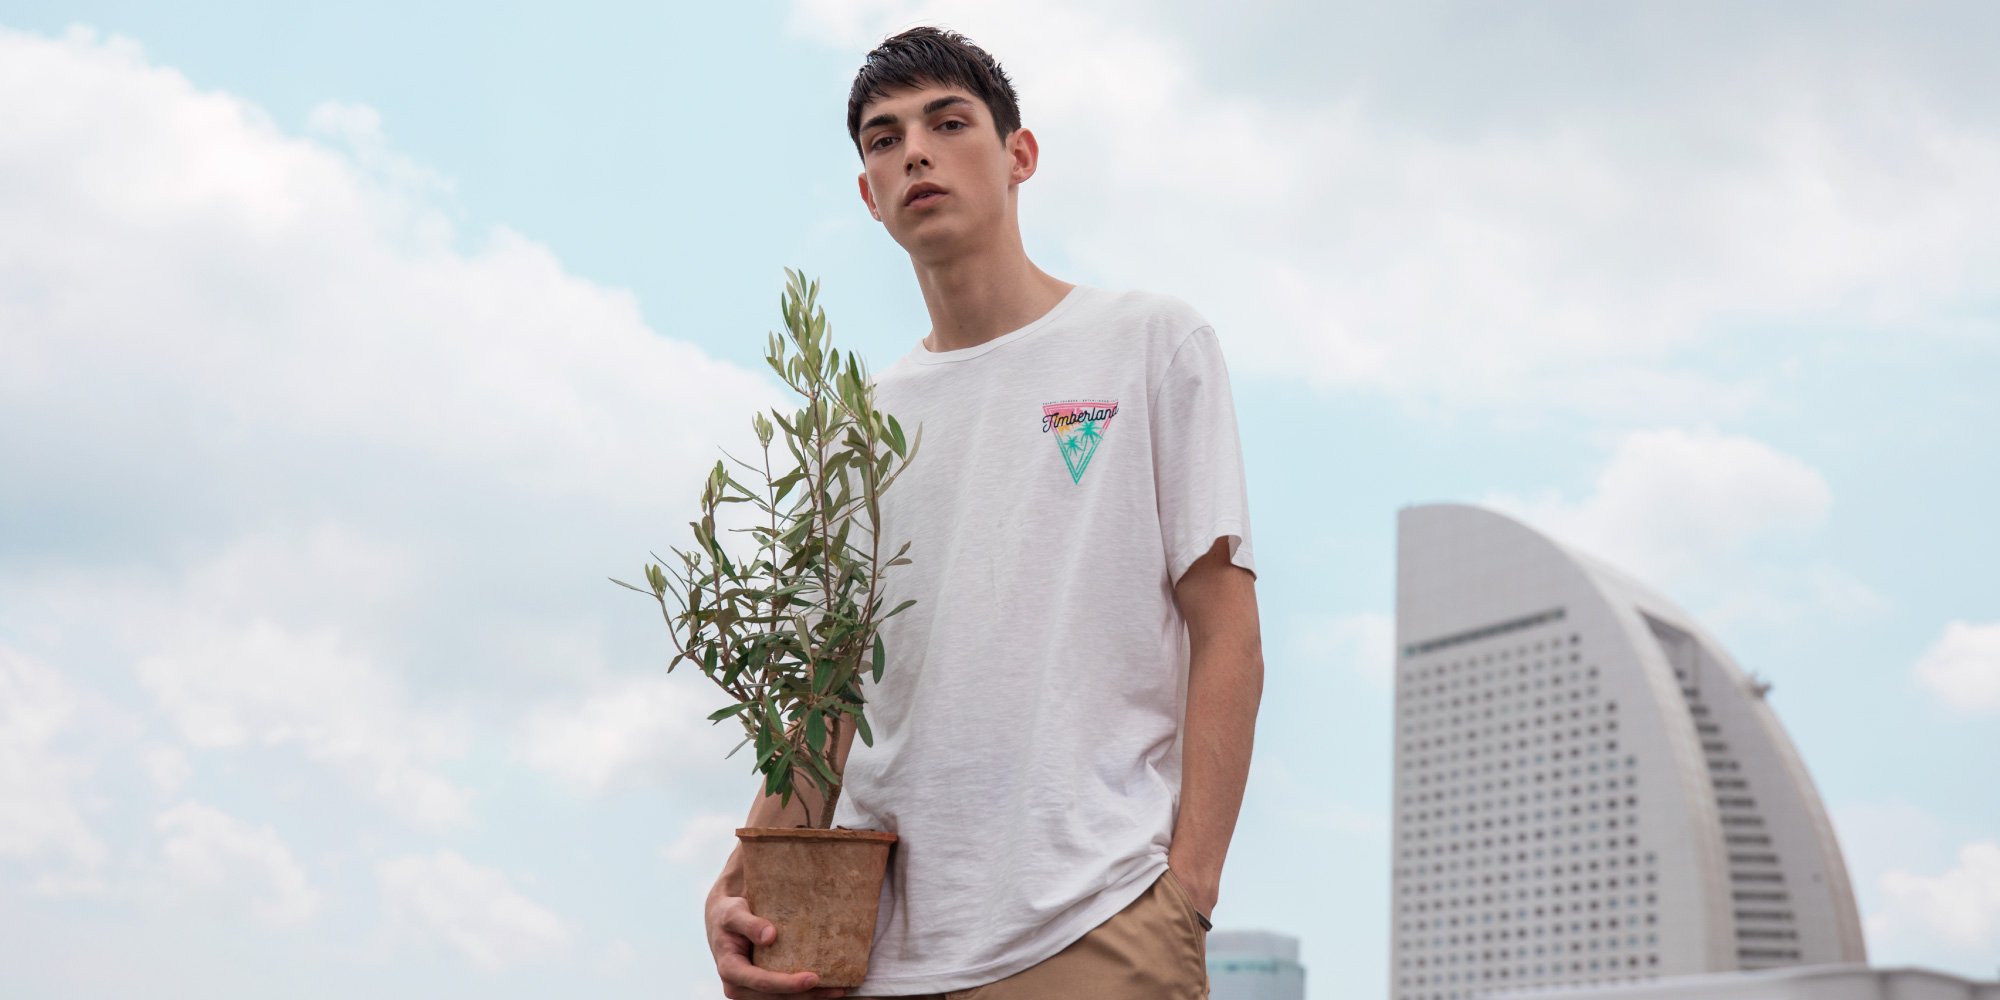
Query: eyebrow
{"x":930,"y":108}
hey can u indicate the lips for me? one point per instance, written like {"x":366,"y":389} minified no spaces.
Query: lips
{"x":922,"y":194}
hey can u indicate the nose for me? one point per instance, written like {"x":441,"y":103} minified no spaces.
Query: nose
{"x":914,"y":155}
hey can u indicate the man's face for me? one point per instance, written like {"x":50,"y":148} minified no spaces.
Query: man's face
{"x":935,"y":171}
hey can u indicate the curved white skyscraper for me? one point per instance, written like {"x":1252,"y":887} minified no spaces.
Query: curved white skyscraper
{"x":1588,"y":788}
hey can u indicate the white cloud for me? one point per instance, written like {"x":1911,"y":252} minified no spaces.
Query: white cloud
{"x":326,"y":482}
{"x":41,"y":805}
{"x":473,"y":908}
{"x":615,"y":958}
{"x":1963,"y":667}
{"x":1728,"y":522}
{"x":1961,"y":907}
{"x":167,"y":767}
{"x":1672,"y":501}
{"x":206,"y":271}
{"x":1836,"y":591}
{"x":309,"y":439}
{"x":1363,"y":643}
{"x":216,"y":854}
{"x":1878,"y":836}
{"x":1881,"y":836}
{"x":266,"y":643}
{"x":705,"y":840}
{"x":261,"y":683}
{"x":632,"y":730}
{"x":1582,"y":256}
{"x":358,"y":127}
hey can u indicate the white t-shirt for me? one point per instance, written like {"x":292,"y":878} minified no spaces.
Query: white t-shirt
{"x":1027,"y":725}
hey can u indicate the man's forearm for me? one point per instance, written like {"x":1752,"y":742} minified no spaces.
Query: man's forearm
{"x":768,"y":811}
{"x":1225,"y":685}
{"x":765,"y":812}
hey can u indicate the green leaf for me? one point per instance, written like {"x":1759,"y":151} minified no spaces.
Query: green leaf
{"x":727,"y":712}
{"x":791,"y":430}
{"x":899,"y":607}
{"x":896,"y":434}
{"x":785,"y":483}
{"x":793,"y":538}
{"x":819,"y":764}
{"x":876,"y":658}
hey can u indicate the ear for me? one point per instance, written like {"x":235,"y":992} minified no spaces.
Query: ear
{"x":1025,"y":153}
{"x":868,"y":196}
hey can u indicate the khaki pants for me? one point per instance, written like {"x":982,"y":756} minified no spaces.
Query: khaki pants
{"x":1153,"y":949}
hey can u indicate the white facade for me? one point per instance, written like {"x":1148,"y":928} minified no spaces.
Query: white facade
{"x":1254,"y":965}
{"x":1809,"y":982}
{"x":1587,"y":788}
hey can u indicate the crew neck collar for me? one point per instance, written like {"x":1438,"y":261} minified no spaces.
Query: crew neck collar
{"x":925,"y":356}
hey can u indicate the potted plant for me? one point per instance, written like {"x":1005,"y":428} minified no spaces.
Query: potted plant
{"x":789,"y":634}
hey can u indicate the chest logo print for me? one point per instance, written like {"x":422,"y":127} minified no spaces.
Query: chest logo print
{"x":1078,"y":426}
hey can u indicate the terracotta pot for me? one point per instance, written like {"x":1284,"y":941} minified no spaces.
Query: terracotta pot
{"x":821,"y":888}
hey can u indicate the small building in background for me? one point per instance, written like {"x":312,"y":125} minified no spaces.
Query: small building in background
{"x":1254,"y":965}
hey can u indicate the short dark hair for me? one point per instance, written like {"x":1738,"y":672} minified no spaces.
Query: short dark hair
{"x":938,"y":57}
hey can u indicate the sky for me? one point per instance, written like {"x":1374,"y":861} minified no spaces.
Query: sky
{"x":346,"y":351}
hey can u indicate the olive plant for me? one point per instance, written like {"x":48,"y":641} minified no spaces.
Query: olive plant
{"x":789,"y":635}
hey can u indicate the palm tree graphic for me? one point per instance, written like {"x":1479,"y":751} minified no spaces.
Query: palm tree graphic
{"x":1079,"y":442}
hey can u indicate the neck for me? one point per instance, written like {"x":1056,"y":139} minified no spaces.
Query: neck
{"x":975,"y":297}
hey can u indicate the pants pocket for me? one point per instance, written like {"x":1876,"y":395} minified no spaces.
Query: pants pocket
{"x":1186,"y":898}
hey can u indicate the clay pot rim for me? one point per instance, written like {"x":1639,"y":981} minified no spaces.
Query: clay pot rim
{"x":806,"y":833}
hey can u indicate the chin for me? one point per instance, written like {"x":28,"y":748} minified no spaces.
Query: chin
{"x":933,"y":240}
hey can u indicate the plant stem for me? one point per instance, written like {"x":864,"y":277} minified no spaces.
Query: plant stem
{"x":833,"y":794}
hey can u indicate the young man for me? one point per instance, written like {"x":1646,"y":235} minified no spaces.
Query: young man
{"x":1064,"y":727}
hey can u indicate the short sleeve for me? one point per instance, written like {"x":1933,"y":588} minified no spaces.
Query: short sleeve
{"x":1198,"y":458}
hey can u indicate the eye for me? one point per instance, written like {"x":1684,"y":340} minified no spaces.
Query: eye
{"x":876,"y":143}
{"x":953,"y":121}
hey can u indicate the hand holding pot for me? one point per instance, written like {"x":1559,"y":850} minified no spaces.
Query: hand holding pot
{"x":731,"y":929}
